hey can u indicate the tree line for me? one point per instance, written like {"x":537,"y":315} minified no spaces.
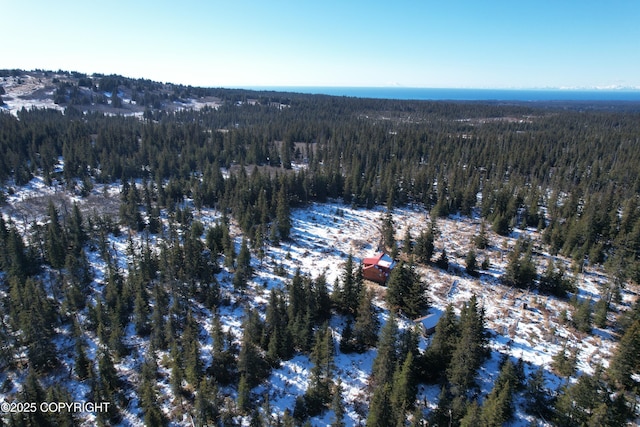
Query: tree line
{"x":570,"y":173}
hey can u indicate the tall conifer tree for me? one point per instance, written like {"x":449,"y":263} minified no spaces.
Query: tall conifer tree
{"x":55,"y":239}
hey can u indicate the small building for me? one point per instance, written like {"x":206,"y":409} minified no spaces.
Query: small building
{"x":378,"y":268}
{"x":428,"y":323}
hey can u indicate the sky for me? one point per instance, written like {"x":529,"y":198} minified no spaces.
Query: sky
{"x":253,"y":43}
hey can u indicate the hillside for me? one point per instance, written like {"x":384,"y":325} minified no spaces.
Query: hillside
{"x":197,"y":262}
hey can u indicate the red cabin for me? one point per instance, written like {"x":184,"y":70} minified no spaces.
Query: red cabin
{"x":378,"y":268}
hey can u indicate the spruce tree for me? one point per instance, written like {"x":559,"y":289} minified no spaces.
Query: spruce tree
{"x":82,"y":364}
{"x":283,"y":215}
{"x":398,"y":287}
{"x":380,"y":411}
{"x":424,"y":247}
{"x":346,"y":339}
{"x":193,"y":368}
{"x":55,"y":239}
{"x":553,"y":281}
{"x":625,"y":363}
{"x":406,"y":292}
{"x":600,"y":311}
{"x":498,"y":407}
{"x":471,"y":263}
{"x":154,"y":225}
{"x":251,"y":363}
{"x":407,"y":242}
{"x":322,"y":298}
{"x":243,"y":268}
{"x":346,"y":296}
{"x":462,"y":368}
{"x":537,"y":396}
{"x":520,"y":271}
{"x":141,"y":312}
{"x":471,"y":348}
{"x":274,"y":324}
{"x":472,"y":323}
{"x":443,"y":260}
{"x":116,"y":334}
{"x":367,"y":325}
{"x":579,"y":401}
{"x":274,"y":348}
{"x":582,"y":316}
{"x":228,"y":247}
{"x":473,"y":416}
{"x":347,"y":285}
{"x":385,"y":362}
{"x":58,"y":393}
{"x":158,"y":339}
{"x":32,"y":391}
{"x":77,"y":234}
{"x":300,"y":410}
{"x":418,"y":302}
{"x":337,"y":405}
{"x":388,"y":231}
{"x":148,"y":393}
{"x":214,"y":239}
{"x":481,"y":240}
{"x":223,"y":353}
{"x":244,"y":395}
{"x":565,"y":364}
{"x":17,"y":261}
{"x":78,"y":276}
{"x":108,"y":386}
{"x":177,"y":373}
{"x":438,"y":355}
{"x":501,"y":224}
{"x":404,"y":391}
{"x":318,"y":394}
{"x":36,"y":318}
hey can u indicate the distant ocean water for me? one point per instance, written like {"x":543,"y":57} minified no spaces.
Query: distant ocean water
{"x":441,"y":94}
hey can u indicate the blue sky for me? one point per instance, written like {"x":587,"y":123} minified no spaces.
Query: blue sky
{"x":241,"y":43}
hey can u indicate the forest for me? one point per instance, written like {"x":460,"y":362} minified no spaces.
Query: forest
{"x":568,"y":171}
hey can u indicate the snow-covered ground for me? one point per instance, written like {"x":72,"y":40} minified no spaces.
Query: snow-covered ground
{"x":27,"y":91}
{"x":36,"y":90}
{"x":522,"y":324}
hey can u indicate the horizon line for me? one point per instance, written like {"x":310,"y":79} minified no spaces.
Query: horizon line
{"x":594,"y":88}
{"x":545,"y":88}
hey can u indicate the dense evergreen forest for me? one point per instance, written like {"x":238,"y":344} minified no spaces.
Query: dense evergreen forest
{"x":570,"y":171}
{"x":574,"y":172}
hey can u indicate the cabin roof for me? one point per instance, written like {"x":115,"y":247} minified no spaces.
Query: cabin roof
{"x":381,"y":260}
